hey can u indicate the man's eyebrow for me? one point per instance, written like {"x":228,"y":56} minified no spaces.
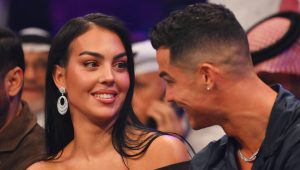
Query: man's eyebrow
{"x":164,"y":74}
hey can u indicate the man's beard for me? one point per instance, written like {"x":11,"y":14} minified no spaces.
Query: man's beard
{"x":4,"y":106}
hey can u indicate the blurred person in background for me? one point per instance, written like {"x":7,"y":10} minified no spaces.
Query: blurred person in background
{"x":36,"y":45}
{"x":275,"y":47}
{"x":21,"y":138}
{"x":151,"y":107}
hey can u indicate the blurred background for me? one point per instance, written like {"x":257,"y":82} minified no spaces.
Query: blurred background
{"x":138,"y":15}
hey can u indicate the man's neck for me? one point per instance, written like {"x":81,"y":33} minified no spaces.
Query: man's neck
{"x":249,"y":116}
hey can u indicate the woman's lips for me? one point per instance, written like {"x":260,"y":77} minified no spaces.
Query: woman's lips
{"x":105,"y":96}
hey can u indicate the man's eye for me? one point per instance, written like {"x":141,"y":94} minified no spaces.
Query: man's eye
{"x":169,"y":82}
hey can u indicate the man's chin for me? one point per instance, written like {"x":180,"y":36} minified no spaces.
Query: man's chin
{"x":198,"y":125}
{"x":194,"y":125}
{"x":192,"y":121}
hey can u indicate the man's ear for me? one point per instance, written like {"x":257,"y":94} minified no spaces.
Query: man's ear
{"x":58,"y":76}
{"x":207,"y":74}
{"x":14,"y":81}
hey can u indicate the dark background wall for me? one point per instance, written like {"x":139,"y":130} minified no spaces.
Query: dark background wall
{"x":138,"y":15}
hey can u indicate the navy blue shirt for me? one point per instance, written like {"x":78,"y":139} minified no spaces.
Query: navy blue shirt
{"x":280,"y":149}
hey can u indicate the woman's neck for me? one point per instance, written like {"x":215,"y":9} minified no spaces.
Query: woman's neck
{"x":90,"y":138}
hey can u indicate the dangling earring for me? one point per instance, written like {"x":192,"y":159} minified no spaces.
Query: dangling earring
{"x":62,"y":108}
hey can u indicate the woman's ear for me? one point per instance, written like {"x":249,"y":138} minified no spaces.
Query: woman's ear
{"x":58,"y":76}
{"x":13,"y":81}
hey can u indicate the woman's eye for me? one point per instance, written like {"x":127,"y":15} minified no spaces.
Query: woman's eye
{"x":90,"y":64}
{"x":121,"y":65}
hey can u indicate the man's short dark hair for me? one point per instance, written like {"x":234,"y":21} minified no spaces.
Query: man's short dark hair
{"x":11,"y":53}
{"x":200,"y":27}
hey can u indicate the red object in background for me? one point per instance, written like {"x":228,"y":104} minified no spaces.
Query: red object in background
{"x":289,"y":5}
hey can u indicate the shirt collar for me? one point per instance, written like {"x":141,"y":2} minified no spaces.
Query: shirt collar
{"x":282,"y":116}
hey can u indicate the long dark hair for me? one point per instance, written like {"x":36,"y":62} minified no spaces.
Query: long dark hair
{"x":59,"y":129}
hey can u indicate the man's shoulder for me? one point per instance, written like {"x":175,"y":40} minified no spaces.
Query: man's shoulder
{"x":213,"y":147}
{"x":26,"y":150}
{"x":292,"y":137}
{"x":33,"y":148}
{"x":213,"y":151}
{"x":36,"y":135}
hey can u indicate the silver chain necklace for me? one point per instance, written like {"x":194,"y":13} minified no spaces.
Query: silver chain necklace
{"x":244,"y":158}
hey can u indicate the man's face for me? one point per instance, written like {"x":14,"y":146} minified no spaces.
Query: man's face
{"x":148,"y":88}
{"x":4,"y":102}
{"x":34,"y":80}
{"x":186,"y":88}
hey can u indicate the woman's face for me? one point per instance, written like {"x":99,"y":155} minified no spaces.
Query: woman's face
{"x":96,"y":77}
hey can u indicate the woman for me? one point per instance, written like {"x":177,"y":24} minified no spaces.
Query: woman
{"x":91,"y":63}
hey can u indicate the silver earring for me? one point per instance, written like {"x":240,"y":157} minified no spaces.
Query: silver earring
{"x":62,"y":108}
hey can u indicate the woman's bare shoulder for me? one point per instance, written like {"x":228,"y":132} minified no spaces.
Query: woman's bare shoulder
{"x":163,"y":144}
{"x":42,"y":165}
{"x":169,"y":145}
{"x":166,"y":150}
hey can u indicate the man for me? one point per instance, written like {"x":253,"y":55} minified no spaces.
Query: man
{"x":21,"y":138}
{"x":203,"y":55}
{"x":152,"y":109}
{"x":36,"y":45}
{"x":275,"y":45}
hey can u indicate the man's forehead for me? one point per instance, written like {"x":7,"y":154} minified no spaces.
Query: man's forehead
{"x":163,"y":56}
